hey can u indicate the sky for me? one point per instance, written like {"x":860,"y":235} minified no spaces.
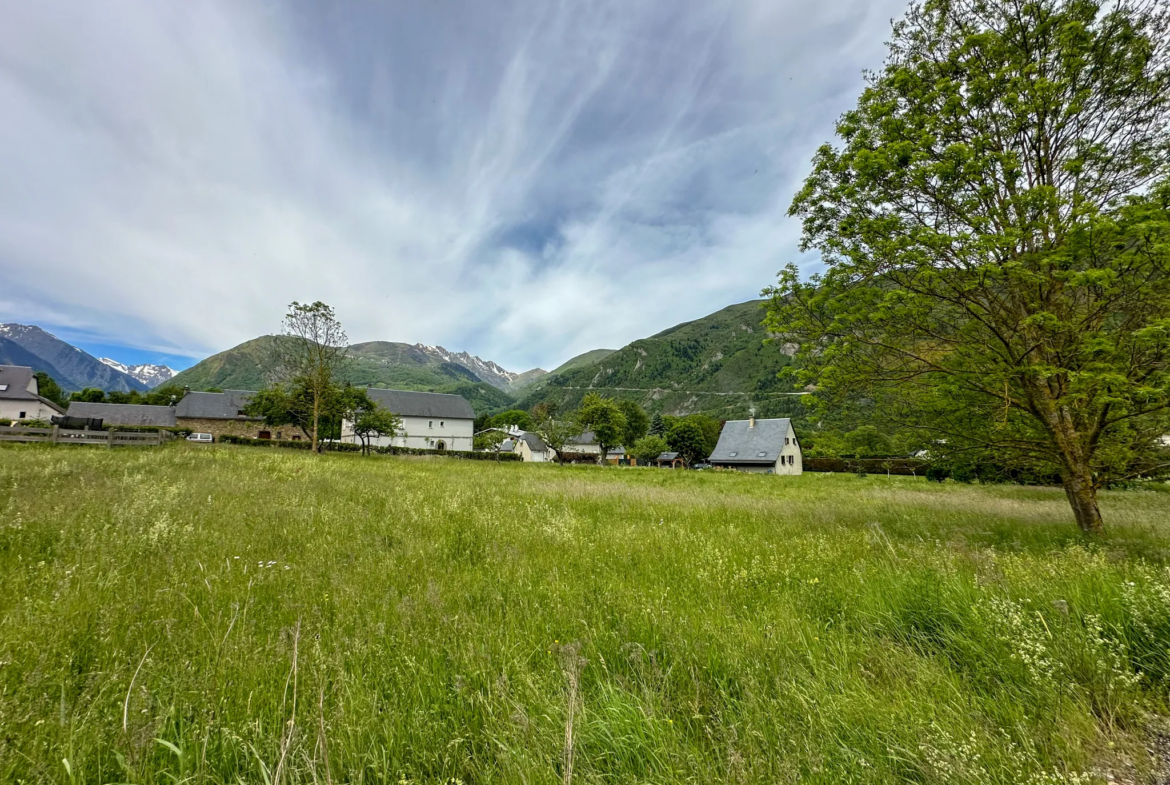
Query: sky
{"x":524,"y":180}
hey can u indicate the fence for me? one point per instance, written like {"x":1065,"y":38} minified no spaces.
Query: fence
{"x":58,"y":435}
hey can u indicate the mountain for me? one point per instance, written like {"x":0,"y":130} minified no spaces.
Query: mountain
{"x":150,"y":375}
{"x":397,"y":366}
{"x":526,"y":379}
{"x":72,"y":368}
{"x":718,"y":365}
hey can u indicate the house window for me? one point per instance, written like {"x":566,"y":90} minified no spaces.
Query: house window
{"x":3,"y":387}
{"x":442,"y":424}
{"x":264,"y":435}
{"x":786,"y":440}
{"x":732,"y":454}
{"x":279,"y":435}
{"x":430,"y":423}
{"x":762,"y":455}
{"x":22,"y":415}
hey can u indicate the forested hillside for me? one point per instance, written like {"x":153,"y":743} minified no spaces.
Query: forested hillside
{"x":718,"y":365}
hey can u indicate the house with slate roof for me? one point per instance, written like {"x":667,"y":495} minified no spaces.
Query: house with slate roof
{"x":532,"y":449}
{"x":430,"y":421}
{"x":20,"y":397}
{"x":760,"y":446}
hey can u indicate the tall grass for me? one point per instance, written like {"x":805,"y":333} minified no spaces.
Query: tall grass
{"x":194,"y":614}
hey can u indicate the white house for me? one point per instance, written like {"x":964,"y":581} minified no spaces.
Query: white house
{"x":532,"y":449}
{"x":761,"y":446}
{"x":430,"y":421}
{"x":20,"y":397}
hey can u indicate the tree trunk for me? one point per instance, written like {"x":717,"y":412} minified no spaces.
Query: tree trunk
{"x":1082,"y":496}
{"x":316,"y":408}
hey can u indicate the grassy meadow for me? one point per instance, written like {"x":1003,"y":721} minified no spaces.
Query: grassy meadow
{"x":216,"y":614}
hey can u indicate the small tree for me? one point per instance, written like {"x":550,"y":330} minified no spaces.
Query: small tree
{"x":493,"y":441}
{"x":556,"y":432}
{"x":648,"y":448}
{"x":605,"y":419}
{"x":686,"y":438}
{"x":310,"y":353}
{"x":373,"y":421}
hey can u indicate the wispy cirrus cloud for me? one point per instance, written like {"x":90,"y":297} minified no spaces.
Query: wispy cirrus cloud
{"x":525,"y":181}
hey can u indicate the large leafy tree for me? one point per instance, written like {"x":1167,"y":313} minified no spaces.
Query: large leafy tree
{"x":368,"y":419}
{"x":637,"y":421}
{"x":310,"y":355}
{"x":605,"y":418}
{"x":996,"y":231}
{"x":686,"y":438}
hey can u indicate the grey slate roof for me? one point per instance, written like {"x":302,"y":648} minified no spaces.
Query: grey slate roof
{"x":507,"y":445}
{"x":668,"y":456}
{"x":584,"y":438}
{"x":740,"y":444}
{"x":125,"y":413}
{"x":535,"y":443}
{"x":17,"y":379}
{"x":423,"y":404}
{"x":213,"y":406}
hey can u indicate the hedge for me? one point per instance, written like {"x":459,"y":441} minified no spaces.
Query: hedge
{"x":900,"y":466}
{"x":249,"y":441}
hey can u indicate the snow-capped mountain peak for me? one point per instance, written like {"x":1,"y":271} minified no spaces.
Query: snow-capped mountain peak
{"x":150,"y":375}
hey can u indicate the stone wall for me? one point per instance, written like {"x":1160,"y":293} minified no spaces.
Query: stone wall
{"x":242,"y":426}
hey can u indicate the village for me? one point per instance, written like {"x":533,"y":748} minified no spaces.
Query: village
{"x":429,"y":422}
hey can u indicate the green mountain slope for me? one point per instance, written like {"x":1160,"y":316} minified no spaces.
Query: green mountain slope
{"x":718,"y":365}
{"x":378,"y":364}
{"x":581,"y":360}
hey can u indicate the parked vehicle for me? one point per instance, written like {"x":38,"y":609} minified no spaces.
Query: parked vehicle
{"x":701,"y":466}
{"x":203,"y":438}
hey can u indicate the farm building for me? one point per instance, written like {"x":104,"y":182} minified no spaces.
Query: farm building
{"x":20,"y":397}
{"x":430,"y":421}
{"x":761,"y":446}
{"x":532,"y":449}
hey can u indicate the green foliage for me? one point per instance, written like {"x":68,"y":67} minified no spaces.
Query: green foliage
{"x":998,"y":241}
{"x":648,"y":448}
{"x":637,"y":421}
{"x":867,"y":441}
{"x":89,"y":395}
{"x":556,"y":431}
{"x":605,"y":418}
{"x":657,"y":425}
{"x":686,"y":438}
{"x":368,"y":419}
{"x":517,"y":417}
{"x":708,"y":426}
{"x":47,"y":387}
{"x":683,"y":369}
{"x":721,"y":627}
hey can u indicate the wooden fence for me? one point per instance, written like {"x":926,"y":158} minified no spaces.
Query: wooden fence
{"x":58,"y":435}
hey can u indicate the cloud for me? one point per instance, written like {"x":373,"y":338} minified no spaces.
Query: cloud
{"x":525,"y":181}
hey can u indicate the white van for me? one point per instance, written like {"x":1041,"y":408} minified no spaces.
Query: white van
{"x":205,"y":438}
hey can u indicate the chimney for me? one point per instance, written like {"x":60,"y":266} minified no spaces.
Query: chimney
{"x":752,"y":422}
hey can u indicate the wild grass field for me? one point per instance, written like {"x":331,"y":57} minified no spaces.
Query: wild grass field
{"x":195,"y":614}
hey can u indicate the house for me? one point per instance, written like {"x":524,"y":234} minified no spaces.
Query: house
{"x":430,"y":421}
{"x":761,"y":446}
{"x":222,"y":414}
{"x":671,"y":459}
{"x":20,"y":397}
{"x":584,"y":443}
{"x":532,"y":449}
{"x":618,"y":457}
{"x":125,"y":413}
